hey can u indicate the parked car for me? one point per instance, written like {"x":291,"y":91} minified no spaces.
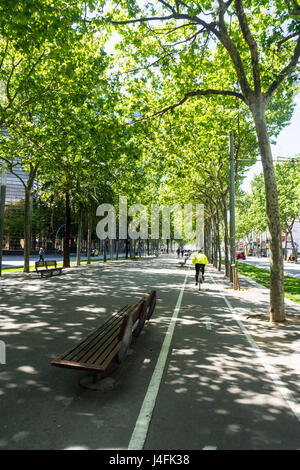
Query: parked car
{"x":240,"y":255}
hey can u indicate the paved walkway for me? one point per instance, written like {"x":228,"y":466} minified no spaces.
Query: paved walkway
{"x":202,"y":374}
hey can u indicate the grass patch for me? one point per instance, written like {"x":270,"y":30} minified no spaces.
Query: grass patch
{"x":262,"y":276}
{"x":59,"y":263}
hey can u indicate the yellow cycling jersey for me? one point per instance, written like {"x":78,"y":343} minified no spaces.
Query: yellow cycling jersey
{"x":200,"y":258}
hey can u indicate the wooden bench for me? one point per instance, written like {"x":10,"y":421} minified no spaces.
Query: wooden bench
{"x":47,"y":268}
{"x":111,"y":340}
{"x":183,"y":263}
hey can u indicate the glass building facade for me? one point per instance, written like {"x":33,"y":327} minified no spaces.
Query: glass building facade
{"x":13,"y":239}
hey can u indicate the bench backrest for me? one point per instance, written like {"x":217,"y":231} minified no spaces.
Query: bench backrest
{"x":51,"y":263}
{"x":40,"y":264}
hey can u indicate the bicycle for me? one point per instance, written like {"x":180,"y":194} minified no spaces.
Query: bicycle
{"x":200,"y":277}
{"x":200,"y":281}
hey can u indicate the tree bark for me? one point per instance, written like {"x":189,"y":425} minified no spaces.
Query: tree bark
{"x":27,"y":241}
{"x":277,"y":310}
{"x":79,"y":235}
{"x":89,"y":237}
{"x":66,"y":263}
{"x":226,"y":237}
{"x":295,"y":250}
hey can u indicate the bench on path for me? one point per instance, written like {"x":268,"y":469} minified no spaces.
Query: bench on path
{"x":183,"y":263}
{"x":47,"y":268}
{"x":110,"y":341}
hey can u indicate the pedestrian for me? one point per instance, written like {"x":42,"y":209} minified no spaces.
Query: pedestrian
{"x":178,"y":252}
{"x":41,"y":253}
{"x":182,"y":251}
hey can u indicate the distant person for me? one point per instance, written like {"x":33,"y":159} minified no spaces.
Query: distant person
{"x":41,"y":253}
{"x":178,"y":252}
{"x":200,"y":261}
{"x":182,"y":251}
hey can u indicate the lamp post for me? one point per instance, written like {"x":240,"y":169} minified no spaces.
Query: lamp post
{"x":2,"y":209}
{"x":231,"y":203}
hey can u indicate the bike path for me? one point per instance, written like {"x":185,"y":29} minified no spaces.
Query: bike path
{"x":216,"y":392}
{"x":213,"y":391}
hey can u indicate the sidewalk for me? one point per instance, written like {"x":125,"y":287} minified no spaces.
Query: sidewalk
{"x":230,"y":379}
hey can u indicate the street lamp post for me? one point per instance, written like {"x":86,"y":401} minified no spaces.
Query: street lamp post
{"x":2,"y":209}
{"x":231,"y":203}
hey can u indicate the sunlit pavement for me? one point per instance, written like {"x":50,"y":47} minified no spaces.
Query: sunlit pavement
{"x":228,"y":381}
{"x":14,"y":261}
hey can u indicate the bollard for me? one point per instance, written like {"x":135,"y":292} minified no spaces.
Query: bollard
{"x":235,"y":279}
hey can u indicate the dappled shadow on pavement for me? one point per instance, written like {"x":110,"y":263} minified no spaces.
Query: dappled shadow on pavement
{"x":214,"y":392}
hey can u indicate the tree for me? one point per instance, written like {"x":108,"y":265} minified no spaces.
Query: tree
{"x":36,"y":39}
{"x":59,"y":134}
{"x":288,"y":183}
{"x":260,"y":45}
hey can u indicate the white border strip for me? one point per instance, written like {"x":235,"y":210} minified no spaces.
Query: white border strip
{"x":139,"y":434}
{"x":286,"y":394}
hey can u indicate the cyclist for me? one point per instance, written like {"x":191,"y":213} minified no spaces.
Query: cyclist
{"x":200,"y":261}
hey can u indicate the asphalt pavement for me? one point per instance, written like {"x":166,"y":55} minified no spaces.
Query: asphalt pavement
{"x":207,"y":372}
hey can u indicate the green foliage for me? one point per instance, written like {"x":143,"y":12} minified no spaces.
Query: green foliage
{"x":252,"y":213}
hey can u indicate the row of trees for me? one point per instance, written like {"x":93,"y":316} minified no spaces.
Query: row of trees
{"x":251,"y":214}
{"x":151,"y":119}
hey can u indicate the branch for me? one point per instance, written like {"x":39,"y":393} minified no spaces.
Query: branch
{"x":293,"y":11}
{"x":284,"y":72}
{"x":190,"y":94}
{"x":231,"y":48}
{"x":11,"y":166}
{"x":290,"y":36}
{"x":4,"y":53}
{"x":144,"y":19}
{"x":250,"y":41}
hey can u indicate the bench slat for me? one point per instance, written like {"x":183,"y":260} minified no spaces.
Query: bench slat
{"x":102,"y":345}
{"x":93,"y":337}
{"x":111,"y":356}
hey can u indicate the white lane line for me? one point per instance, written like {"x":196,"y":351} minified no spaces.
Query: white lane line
{"x":140,"y":431}
{"x":285,"y":392}
{"x":207,"y":322}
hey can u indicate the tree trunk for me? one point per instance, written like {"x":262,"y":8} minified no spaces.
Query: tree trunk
{"x":117,"y":248}
{"x":79,"y":235}
{"x":295,"y":249}
{"x":226,"y":237}
{"x":104,"y":250}
{"x":285,"y":244}
{"x":27,"y":241}
{"x":89,"y":238}
{"x":277,"y":310}
{"x":218,"y":241}
{"x":66,"y":263}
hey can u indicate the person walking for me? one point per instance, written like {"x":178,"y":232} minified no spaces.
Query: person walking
{"x":200,"y":261}
{"x":178,"y":252}
{"x":41,"y":253}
